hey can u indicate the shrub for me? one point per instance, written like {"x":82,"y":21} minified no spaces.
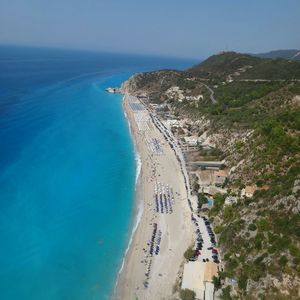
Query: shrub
{"x":283,"y":260}
{"x":201,"y":200}
{"x":242,"y":282}
{"x":263,"y":224}
{"x":227,"y":256}
{"x":256,"y":271}
{"x":252,"y":227}
{"x":231,"y":265}
{"x":218,"y":203}
{"x":226,"y":293}
{"x":228,"y":213}
{"x":294,"y":250}
{"x":189,"y":253}
{"x":187,"y":294}
{"x":259,"y":259}
{"x":217,"y":282}
{"x":218,"y":229}
{"x":258,"y":241}
{"x":238,"y":145}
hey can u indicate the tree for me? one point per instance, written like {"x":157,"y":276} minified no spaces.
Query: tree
{"x":263,"y":224}
{"x":242,"y":282}
{"x":189,"y":253}
{"x":226,"y":293}
{"x":283,"y":261}
{"x":201,"y":200}
{"x":196,"y":187}
{"x":252,"y":227}
{"x":187,"y":294}
{"x":217,"y":282}
{"x":228,"y":213}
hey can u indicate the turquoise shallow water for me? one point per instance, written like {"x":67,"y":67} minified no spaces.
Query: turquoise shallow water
{"x":67,"y":173}
{"x":66,"y":200}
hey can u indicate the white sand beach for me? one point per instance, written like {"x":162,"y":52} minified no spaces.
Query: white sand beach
{"x":152,"y":274}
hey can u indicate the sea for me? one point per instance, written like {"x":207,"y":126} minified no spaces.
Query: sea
{"x":67,"y":171}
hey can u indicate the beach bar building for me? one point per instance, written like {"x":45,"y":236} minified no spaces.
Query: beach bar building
{"x":220,"y":177}
{"x":198,"y":277}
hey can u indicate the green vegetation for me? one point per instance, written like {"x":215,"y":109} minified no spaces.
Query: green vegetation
{"x":189,"y":253}
{"x":201,"y":200}
{"x":221,"y":65}
{"x":217,"y":282}
{"x":187,"y":294}
{"x":243,"y":66}
{"x":286,"y":54}
{"x":237,"y":93}
{"x":226,"y":293}
{"x":258,"y":236}
{"x":218,"y":204}
{"x":252,"y":227}
{"x":242,"y":282}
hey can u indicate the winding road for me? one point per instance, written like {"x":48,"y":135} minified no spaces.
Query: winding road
{"x":212,"y":93}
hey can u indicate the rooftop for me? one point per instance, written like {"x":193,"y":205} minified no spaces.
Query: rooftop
{"x":250,"y":189}
{"x":221,"y":173}
{"x":196,"y":274}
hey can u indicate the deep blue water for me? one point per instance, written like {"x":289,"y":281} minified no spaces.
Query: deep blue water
{"x":67,"y":171}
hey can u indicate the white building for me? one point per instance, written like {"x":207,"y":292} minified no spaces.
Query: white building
{"x":194,"y":98}
{"x":198,"y":277}
{"x":171,"y":123}
{"x":191,"y":140}
{"x":230,"y":200}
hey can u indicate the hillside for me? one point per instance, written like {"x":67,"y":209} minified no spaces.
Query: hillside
{"x":255,"y":126}
{"x":223,"y":64}
{"x":235,"y":66}
{"x":291,"y":54}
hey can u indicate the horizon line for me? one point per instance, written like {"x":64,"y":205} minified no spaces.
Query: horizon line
{"x":95,"y":51}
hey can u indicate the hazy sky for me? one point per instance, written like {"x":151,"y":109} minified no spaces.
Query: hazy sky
{"x":187,"y":28}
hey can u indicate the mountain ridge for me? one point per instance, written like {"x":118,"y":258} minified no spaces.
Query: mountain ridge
{"x":290,"y":54}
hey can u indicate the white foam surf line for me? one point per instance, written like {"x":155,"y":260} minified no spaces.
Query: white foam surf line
{"x":139,"y":207}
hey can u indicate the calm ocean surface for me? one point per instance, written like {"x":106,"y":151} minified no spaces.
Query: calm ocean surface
{"x":67,"y":171}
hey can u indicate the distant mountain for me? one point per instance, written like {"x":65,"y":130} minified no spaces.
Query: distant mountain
{"x":291,"y":54}
{"x":219,"y":68}
{"x":223,"y":64}
{"x":237,"y":66}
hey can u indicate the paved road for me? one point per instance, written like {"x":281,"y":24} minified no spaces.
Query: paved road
{"x":212,"y":93}
{"x":267,"y":80}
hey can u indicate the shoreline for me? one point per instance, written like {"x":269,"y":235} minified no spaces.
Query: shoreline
{"x":138,"y":205}
{"x":131,"y":282}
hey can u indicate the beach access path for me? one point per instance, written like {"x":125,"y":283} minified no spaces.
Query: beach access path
{"x":152,"y":264}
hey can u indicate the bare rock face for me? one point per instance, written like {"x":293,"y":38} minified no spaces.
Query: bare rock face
{"x":296,"y":187}
{"x":130,"y":86}
{"x":296,"y":100}
{"x":152,"y":84}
